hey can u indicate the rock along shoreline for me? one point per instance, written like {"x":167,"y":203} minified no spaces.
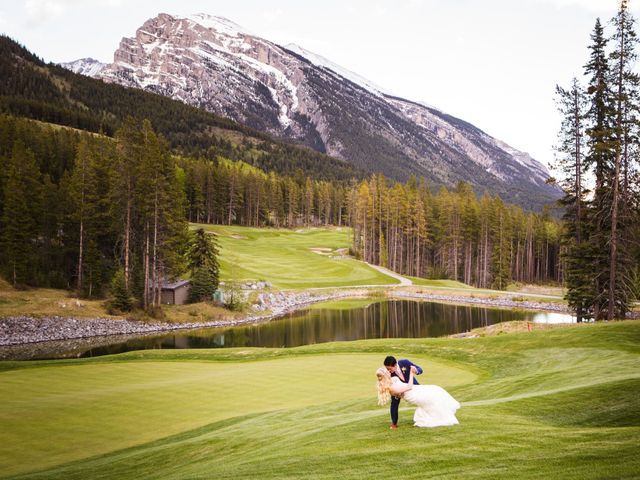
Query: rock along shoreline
{"x":21,"y":330}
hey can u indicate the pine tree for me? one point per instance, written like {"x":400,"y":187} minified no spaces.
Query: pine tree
{"x":625,"y":97}
{"x":500,"y":261}
{"x":129,"y":144}
{"x":22,"y":212}
{"x":79,"y":182}
{"x":599,"y":159}
{"x":202,"y":286}
{"x":161,"y":215}
{"x":120,"y":299}
{"x":202,"y":260}
{"x":570,"y":161}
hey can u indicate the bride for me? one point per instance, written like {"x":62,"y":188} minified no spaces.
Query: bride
{"x":436,"y":408}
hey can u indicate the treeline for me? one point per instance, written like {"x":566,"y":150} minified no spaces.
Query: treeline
{"x":456,"y":235}
{"x":598,"y":156}
{"x":234,"y":193}
{"x":76,"y":207}
{"x":78,"y":210}
{"x":32,"y":89}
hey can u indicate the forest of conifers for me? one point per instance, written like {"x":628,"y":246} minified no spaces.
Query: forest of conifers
{"x":87,"y":192}
{"x":77,"y":207}
{"x":599,"y":160}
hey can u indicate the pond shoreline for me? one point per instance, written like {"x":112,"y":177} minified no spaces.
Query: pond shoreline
{"x":24,"y":329}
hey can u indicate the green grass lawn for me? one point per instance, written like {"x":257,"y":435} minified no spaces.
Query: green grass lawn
{"x":291,"y":259}
{"x":533,"y":293}
{"x":439,"y":283}
{"x":558,"y":403}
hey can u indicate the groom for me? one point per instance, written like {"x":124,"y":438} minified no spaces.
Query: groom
{"x":402,"y":370}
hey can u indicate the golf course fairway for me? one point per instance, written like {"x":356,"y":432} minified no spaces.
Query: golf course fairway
{"x":558,"y":403}
{"x":292,"y":259}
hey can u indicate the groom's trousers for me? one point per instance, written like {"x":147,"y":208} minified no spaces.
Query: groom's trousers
{"x":395,"y":402}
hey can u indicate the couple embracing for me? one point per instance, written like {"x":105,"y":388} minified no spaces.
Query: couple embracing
{"x":396,"y":380}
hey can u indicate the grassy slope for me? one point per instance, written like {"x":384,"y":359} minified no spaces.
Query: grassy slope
{"x":55,"y":302}
{"x":284,"y":257}
{"x":46,"y":301}
{"x":560,"y":403}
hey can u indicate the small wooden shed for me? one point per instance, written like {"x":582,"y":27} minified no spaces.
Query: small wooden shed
{"x":175,"y":293}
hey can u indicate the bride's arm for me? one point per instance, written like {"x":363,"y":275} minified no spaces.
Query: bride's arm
{"x":398,"y":389}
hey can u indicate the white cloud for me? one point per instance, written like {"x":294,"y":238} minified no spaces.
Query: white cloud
{"x":594,"y":6}
{"x":43,"y":11}
{"x":40,"y":11}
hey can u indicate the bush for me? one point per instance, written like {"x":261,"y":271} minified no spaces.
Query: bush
{"x":203,"y":285}
{"x":120,"y":299}
{"x":234,"y":299}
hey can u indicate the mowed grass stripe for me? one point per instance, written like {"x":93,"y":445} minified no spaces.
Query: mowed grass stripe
{"x":349,"y":440}
{"x":71,"y":412}
{"x":574,"y":413}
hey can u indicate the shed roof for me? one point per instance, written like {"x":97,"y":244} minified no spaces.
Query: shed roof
{"x":174,"y":285}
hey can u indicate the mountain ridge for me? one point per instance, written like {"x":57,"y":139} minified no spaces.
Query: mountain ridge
{"x":31,"y":88}
{"x":214,"y":64}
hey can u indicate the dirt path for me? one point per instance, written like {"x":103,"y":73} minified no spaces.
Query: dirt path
{"x":385,"y":271}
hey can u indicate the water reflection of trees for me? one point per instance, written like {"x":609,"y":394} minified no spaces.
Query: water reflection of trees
{"x":389,"y":319}
{"x":386,"y":319}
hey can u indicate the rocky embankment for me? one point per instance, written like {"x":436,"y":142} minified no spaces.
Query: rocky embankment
{"x":501,"y":302}
{"x":21,"y":330}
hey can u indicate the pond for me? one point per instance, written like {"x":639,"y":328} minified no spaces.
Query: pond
{"x":337,"y":321}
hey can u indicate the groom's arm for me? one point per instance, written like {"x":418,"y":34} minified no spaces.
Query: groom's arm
{"x":418,"y":368}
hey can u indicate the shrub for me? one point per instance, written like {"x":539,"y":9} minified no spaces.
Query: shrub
{"x":203,"y":285}
{"x":120,"y":299}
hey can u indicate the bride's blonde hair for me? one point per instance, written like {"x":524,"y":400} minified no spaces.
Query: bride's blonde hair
{"x":382,"y":385}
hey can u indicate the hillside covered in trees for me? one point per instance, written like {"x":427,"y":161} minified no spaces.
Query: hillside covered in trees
{"x":77,"y":207}
{"x":99,"y":181}
{"x":47,"y":92}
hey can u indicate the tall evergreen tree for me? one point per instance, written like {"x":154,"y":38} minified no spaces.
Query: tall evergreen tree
{"x":202,"y":259}
{"x":625,"y":97}
{"x":600,"y":159}
{"x":129,"y":145}
{"x":21,"y":216}
{"x":570,"y":161}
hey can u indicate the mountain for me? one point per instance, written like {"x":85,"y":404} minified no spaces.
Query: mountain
{"x":212,"y":63}
{"x":85,"y":66}
{"x":47,"y":92}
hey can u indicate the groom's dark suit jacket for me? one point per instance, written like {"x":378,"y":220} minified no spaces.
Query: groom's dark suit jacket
{"x":405,"y":368}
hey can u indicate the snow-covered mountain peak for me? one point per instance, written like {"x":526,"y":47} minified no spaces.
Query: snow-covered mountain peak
{"x":218,"y":24}
{"x":321,"y":61}
{"x":84,"y":66}
{"x":213,"y":63}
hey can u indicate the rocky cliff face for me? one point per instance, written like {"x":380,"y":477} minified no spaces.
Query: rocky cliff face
{"x":212,"y":63}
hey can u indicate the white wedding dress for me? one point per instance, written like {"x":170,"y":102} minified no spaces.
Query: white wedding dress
{"x":436,"y":408}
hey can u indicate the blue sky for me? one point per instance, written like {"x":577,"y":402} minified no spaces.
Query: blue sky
{"x":494,"y":63}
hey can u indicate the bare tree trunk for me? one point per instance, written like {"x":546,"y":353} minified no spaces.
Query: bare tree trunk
{"x":127,"y":240}
{"x":614,"y":240}
{"x":146,"y":267}
{"x":232,"y":192}
{"x":613,"y":253}
{"x":156,"y":298}
{"x":80,"y":252}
